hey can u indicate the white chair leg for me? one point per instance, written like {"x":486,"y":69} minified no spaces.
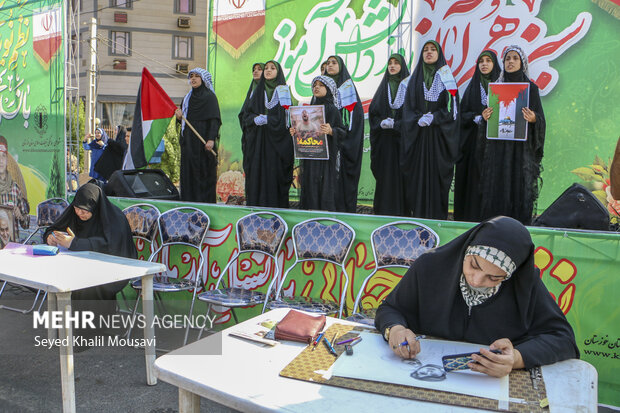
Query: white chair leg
{"x":133,"y":315}
{"x":206,"y":318}
{"x":191,"y":311}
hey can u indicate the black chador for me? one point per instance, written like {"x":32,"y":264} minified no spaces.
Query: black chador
{"x":385,"y":116}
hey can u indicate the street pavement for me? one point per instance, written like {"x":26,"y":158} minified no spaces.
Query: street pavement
{"x":105,"y":381}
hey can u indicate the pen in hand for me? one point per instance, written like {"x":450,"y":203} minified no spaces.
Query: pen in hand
{"x":406,"y":343}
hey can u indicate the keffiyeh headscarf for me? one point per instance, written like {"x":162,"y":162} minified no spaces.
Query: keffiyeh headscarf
{"x":204,"y":75}
{"x":474,"y":296}
{"x":524,"y":65}
{"x":206,"y":82}
{"x":330,"y":84}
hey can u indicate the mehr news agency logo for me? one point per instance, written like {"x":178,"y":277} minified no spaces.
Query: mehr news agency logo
{"x":88,"y":320}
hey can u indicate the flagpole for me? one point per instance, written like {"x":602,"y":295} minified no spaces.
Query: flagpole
{"x":197,"y":134}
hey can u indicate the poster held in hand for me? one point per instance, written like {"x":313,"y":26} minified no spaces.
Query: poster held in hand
{"x":507,"y":121}
{"x":308,"y":141}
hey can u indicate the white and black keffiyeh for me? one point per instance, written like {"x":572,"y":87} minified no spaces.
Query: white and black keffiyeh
{"x":275,"y":100}
{"x":483,"y":96}
{"x":333,"y":88}
{"x":522,"y":55}
{"x":432,"y":94}
{"x":206,"y":79}
{"x":399,"y":99}
{"x":474,"y":297}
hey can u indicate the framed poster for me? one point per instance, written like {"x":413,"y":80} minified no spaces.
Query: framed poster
{"x":308,"y":141}
{"x":507,"y":121}
{"x":8,"y":231}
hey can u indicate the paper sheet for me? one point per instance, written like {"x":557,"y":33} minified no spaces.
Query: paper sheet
{"x":373,"y":360}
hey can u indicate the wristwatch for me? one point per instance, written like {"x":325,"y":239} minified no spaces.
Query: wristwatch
{"x":386,"y":333}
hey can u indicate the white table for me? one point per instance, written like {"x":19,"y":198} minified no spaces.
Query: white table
{"x":70,"y":271}
{"x":245,"y":376}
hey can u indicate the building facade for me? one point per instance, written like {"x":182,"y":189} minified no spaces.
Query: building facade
{"x":168,"y":37}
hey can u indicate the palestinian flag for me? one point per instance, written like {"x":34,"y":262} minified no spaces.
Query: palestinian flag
{"x":154,"y":112}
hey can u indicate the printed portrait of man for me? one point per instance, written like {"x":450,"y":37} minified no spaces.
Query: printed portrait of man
{"x":10,"y":192}
{"x":5,"y":228}
{"x":307,"y":128}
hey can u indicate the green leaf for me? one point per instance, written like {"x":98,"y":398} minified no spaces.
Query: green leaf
{"x":599,"y":161}
{"x":584,"y":173}
{"x":601,"y":195}
{"x":599,"y":168}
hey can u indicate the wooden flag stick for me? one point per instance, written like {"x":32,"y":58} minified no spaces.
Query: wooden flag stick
{"x":197,"y":134}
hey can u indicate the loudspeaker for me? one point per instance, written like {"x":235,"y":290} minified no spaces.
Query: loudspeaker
{"x":141,"y":183}
{"x":576,"y":208}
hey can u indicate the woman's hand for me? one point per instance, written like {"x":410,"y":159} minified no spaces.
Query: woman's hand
{"x":178,"y":113}
{"x":529,"y":115}
{"x":86,"y":138}
{"x":292,"y":131}
{"x":209,"y":146}
{"x":326,"y":129}
{"x":486,"y":114}
{"x":399,"y":334}
{"x":497,"y":365}
{"x":100,"y":142}
{"x":62,"y":239}
{"x":51,"y":240}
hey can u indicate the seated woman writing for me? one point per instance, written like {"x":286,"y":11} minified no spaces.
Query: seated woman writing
{"x":482,"y":287}
{"x":93,"y":223}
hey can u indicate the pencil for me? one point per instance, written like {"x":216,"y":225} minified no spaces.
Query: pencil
{"x":333,"y":343}
{"x":347,"y":341}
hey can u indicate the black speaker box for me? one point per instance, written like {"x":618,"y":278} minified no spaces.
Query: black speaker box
{"x":141,"y":183}
{"x":576,"y":208}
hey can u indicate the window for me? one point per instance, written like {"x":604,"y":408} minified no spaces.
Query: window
{"x":121,"y":4}
{"x":183,"y":48}
{"x":120,"y":43}
{"x":184,"y":6}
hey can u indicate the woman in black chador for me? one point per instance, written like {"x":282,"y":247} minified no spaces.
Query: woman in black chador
{"x":510,"y":170}
{"x":112,"y":158}
{"x":352,"y":145}
{"x":319,"y":178}
{"x":247,"y":147}
{"x":199,"y":161}
{"x":270,"y":162}
{"x":93,"y":223}
{"x":467,"y":187}
{"x":429,"y":141}
{"x":482,"y":287}
{"x":385,"y":115}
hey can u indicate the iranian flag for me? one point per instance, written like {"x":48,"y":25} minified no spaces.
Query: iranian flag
{"x":238,"y":24}
{"x":47,"y":35}
{"x":154,"y":112}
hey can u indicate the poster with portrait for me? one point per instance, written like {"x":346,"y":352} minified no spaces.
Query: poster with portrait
{"x":8,"y":232}
{"x":507,"y":121}
{"x":308,"y":141}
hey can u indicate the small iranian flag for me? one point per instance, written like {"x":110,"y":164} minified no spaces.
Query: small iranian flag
{"x":154,"y":112}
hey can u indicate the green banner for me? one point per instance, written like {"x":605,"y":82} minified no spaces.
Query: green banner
{"x":572,"y":47}
{"x":32,"y":105}
{"x":578,"y":268}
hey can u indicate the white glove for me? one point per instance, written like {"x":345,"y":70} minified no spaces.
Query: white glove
{"x":478,"y":120}
{"x":260,"y":120}
{"x":426,"y":119}
{"x":387,"y":123}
